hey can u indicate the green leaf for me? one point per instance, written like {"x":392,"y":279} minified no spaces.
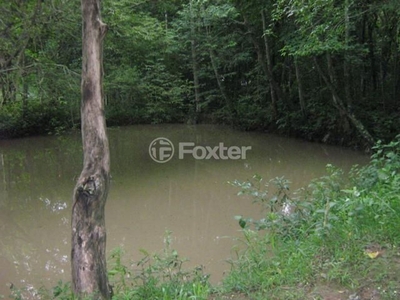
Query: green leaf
{"x":242,"y":223}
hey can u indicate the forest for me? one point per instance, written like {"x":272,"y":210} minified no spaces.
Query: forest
{"x":322,"y":70}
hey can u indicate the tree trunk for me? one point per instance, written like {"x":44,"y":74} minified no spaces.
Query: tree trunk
{"x":277,"y":94}
{"x":270,"y":73}
{"x":300,"y":87}
{"x":344,"y":122}
{"x":264,"y":67}
{"x":338,"y":103}
{"x":88,"y":261}
{"x":346,"y":67}
{"x":8,"y":86}
{"x":221,"y":87}
{"x":194,"y":63}
{"x":371,"y":54}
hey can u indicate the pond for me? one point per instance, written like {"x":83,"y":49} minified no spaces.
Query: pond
{"x":187,"y":195}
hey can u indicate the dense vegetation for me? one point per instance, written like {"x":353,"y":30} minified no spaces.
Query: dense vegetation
{"x":323,"y":70}
{"x":335,"y":239}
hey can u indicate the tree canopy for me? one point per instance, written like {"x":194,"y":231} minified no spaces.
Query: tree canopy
{"x":322,"y":70}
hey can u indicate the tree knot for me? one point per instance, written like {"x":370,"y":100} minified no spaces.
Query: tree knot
{"x":90,"y":185}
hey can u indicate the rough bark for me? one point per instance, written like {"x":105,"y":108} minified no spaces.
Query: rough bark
{"x":88,"y":261}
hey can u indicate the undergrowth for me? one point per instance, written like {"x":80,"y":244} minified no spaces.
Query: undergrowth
{"x":335,"y":231}
{"x":159,"y":276}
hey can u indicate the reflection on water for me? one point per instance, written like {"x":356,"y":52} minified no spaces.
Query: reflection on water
{"x":188,"y":197}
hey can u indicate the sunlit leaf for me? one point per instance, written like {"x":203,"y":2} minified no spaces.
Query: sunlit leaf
{"x":372,"y":254}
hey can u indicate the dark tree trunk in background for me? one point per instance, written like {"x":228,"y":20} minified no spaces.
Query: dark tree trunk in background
{"x":272,"y":86}
{"x":346,"y":62}
{"x":344,"y":123}
{"x":221,"y":87}
{"x":195,"y":67}
{"x":300,"y":88}
{"x":262,"y":61}
{"x":371,"y":54}
{"x":89,"y":272}
{"x":7,"y":82}
{"x":339,"y":104}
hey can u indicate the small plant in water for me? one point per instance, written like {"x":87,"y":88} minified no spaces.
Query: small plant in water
{"x":283,"y":213}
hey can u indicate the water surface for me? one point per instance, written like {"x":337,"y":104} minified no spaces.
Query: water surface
{"x":189,"y":197}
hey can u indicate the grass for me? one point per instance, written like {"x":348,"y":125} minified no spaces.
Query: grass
{"x":343,"y":236}
{"x":158,"y":276}
{"x":335,"y":239}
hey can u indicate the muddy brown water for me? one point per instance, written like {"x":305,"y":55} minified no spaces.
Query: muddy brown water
{"x":189,"y":197}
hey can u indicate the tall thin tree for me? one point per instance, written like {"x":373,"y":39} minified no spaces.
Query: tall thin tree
{"x":89,"y":272}
{"x":195,"y":66}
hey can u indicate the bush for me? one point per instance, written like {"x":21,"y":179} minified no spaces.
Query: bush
{"x":327,"y":232}
{"x":158,"y":276}
{"x":34,"y":119}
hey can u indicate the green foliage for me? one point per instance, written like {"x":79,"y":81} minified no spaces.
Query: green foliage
{"x":319,"y":124}
{"x":17,"y":120}
{"x":139,"y":86}
{"x":333,"y":230}
{"x":311,"y":211}
{"x":157,"y":276}
{"x":327,"y":203}
{"x":62,"y":291}
{"x":39,"y":86}
{"x":149,"y":66}
{"x":276,"y":207}
{"x":375,"y":199}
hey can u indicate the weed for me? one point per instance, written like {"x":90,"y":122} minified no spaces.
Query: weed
{"x":331,"y":232}
{"x":157,"y":276}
